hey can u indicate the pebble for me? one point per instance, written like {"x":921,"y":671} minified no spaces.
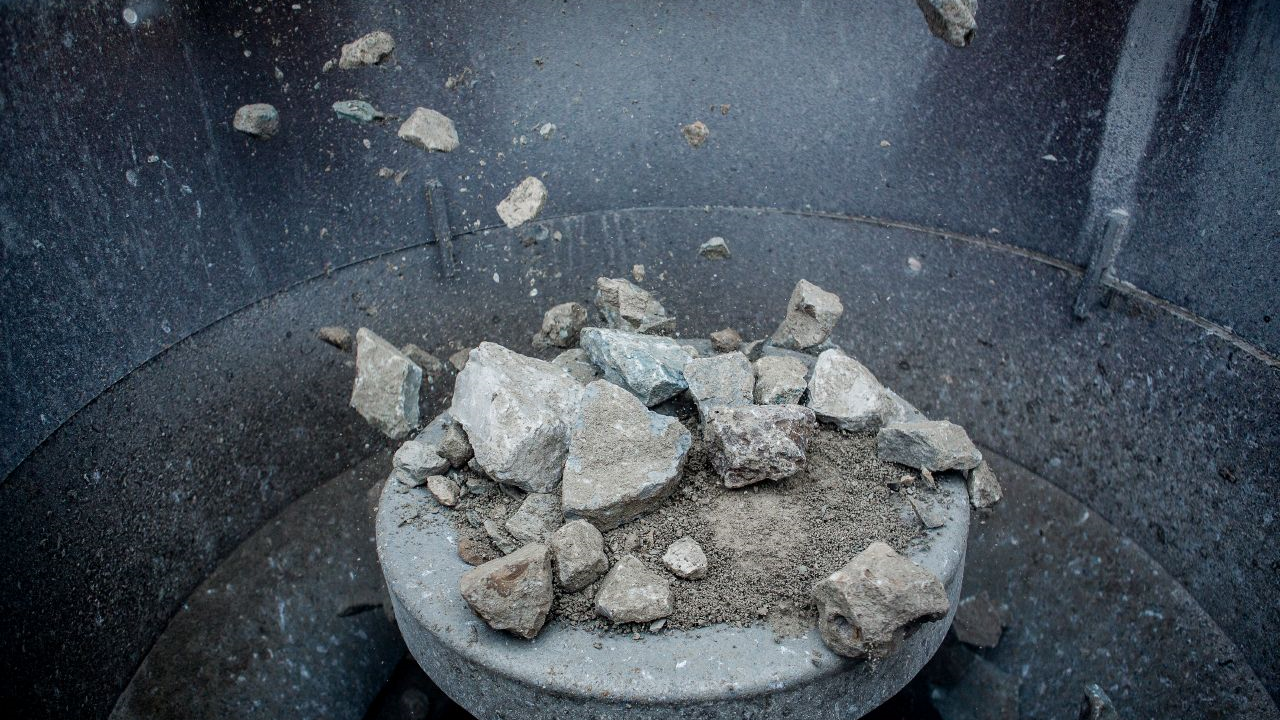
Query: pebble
{"x":714,"y":249}
{"x":579,"y":554}
{"x":367,"y":50}
{"x":726,"y":340}
{"x":632,"y":593}
{"x":429,"y":130}
{"x":695,"y":133}
{"x":445,"y":491}
{"x":523,"y":203}
{"x":928,"y":514}
{"x":685,"y":559}
{"x":984,"y":488}
{"x":812,"y":314}
{"x":385,"y":392}
{"x":512,"y":593}
{"x":257,"y":119}
{"x":416,"y":461}
{"x":336,"y":336}
{"x":626,"y":306}
{"x":474,"y":552}
{"x":357,"y":111}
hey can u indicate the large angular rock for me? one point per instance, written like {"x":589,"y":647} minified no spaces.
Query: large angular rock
{"x":685,"y":559}
{"x":561,"y":325}
{"x":984,"y":488}
{"x":625,"y":306}
{"x":514,"y":592}
{"x":846,"y":394}
{"x":651,"y":367}
{"x":759,"y":442}
{"x":429,"y":130}
{"x":578,"y":363}
{"x":719,"y":381}
{"x":385,"y":392}
{"x":780,"y":381}
{"x":632,"y":593}
{"x":523,"y":203}
{"x":516,"y":411}
{"x":865,"y":607}
{"x":579,"y":553}
{"x":536,"y":518}
{"x":812,"y":313}
{"x":935,"y":445}
{"x":623,"y":458}
{"x":367,"y":50}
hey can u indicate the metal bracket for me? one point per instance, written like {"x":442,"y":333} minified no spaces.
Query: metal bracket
{"x":438,"y":210}
{"x":1114,"y":232}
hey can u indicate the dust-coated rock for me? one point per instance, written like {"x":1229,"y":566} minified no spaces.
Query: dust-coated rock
{"x":978,"y":621}
{"x":846,"y":394}
{"x":357,"y":111}
{"x":719,"y":381}
{"x":561,"y":325}
{"x":386,"y":388}
{"x":445,"y":491}
{"x":623,"y":458}
{"x":578,"y":548}
{"x":1097,"y":704}
{"x":429,"y":130}
{"x":649,"y":366}
{"x":695,"y":133}
{"x":578,"y":363}
{"x":812,"y":313}
{"x":984,"y":488}
{"x":760,"y":442}
{"x":536,"y":518}
{"x":936,"y":445}
{"x":626,"y":306}
{"x":726,"y":340}
{"x":865,"y":607}
{"x":514,"y":592}
{"x":930,"y":516}
{"x":336,"y":336}
{"x":714,"y":249}
{"x":632,"y":593}
{"x":523,"y":203}
{"x":685,"y":559}
{"x":257,"y":119}
{"x":499,"y":536}
{"x":780,"y":381}
{"x":445,"y":437}
{"x":516,"y":411}
{"x":902,"y":411}
{"x":952,"y":20}
{"x":417,"y":461}
{"x":767,"y":349}
{"x":459,"y":359}
{"x":368,"y":50}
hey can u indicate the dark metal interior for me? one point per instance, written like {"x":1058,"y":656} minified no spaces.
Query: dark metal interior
{"x":162,"y":278}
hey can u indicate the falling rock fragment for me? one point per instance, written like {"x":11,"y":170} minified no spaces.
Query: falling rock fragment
{"x":623,"y":458}
{"x":561,"y":325}
{"x":578,"y":548}
{"x":385,"y":392}
{"x":1097,"y":704}
{"x":726,"y":340}
{"x":952,"y":20}
{"x":812,"y":314}
{"x":367,"y":50}
{"x":719,"y":381}
{"x":935,"y":445}
{"x":516,"y":412}
{"x":514,"y":592}
{"x":445,"y":491}
{"x":984,"y":488}
{"x":649,"y":366}
{"x":357,"y":111}
{"x":337,"y":336}
{"x":459,"y":359}
{"x":865,"y":607}
{"x":685,"y":559}
{"x":626,"y":306}
{"x":416,"y":461}
{"x":982,"y":692}
{"x":714,"y":249}
{"x":632,"y":593}
{"x":257,"y":119}
{"x":845,"y":393}
{"x":779,"y":380}
{"x":695,"y":133}
{"x":429,"y":130}
{"x":536,"y":518}
{"x":759,"y":442}
{"x":523,"y":203}
{"x":978,"y":621}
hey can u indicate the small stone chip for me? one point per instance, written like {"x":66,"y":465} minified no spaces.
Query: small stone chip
{"x":714,"y":249}
{"x":579,"y":554}
{"x":726,"y":340}
{"x":523,"y":203}
{"x":984,"y":488}
{"x":633,"y":593}
{"x":812,"y":313}
{"x":357,"y":111}
{"x":512,"y":593}
{"x":561,"y":325}
{"x":429,"y":130}
{"x":444,"y":490}
{"x":336,"y":336}
{"x":695,"y":133}
{"x":475,"y":552}
{"x":257,"y":119}
{"x":685,"y":559}
{"x":368,"y":50}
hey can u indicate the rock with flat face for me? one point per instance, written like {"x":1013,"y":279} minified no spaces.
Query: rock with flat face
{"x":416,"y":461}
{"x":561,"y":325}
{"x":523,"y":203}
{"x":536,"y":518}
{"x":984,"y":488}
{"x":434,"y":371}
{"x":719,"y":381}
{"x":578,"y":548}
{"x":812,"y":314}
{"x":865,"y":607}
{"x":514,"y":592}
{"x":726,"y":340}
{"x":578,"y":364}
{"x":445,"y":491}
{"x":978,"y":621}
{"x":780,"y":381}
{"x":623,"y":458}
{"x":935,"y":445}
{"x":760,"y":442}
{"x":385,"y":392}
{"x":632,"y":593}
{"x":337,"y":336}
{"x":357,"y":111}
{"x":516,"y":412}
{"x":650,"y":367}
{"x":257,"y":119}
{"x":429,"y":130}
{"x":368,"y":50}
{"x":625,"y":306}
{"x":445,"y":437}
{"x":499,"y":536}
{"x":846,"y":394}
{"x":714,"y":249}
{"x":685,"y":559}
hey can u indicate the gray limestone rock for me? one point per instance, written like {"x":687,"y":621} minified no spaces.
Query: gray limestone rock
{"x":726,"y":340}
{"x":759,"y":442}
{"x":865,"y":607}
{"x":514,"y":592}
{"x":719,"y":381}
{"x":935,"y":445}
{"x":368,"y":50}
{"x":459,"y":359}
{"x":357,"y":111}
{"x":445,"y":436}
{"x":650,"y":367}
{"x":714,"y":249}
{"x":257,"y":119}
{"x":780,"y":380}
{"x":984,"y":488}
{"x":578,"y":364}
{"x":445,"y":491}
{"x":632,"y":593}
{"x":625,"y":306}
{"x":685,"y":559}
{"x":417,"y":461}
{"x":516,"y":411}
{"x":499,"y":536}
{"x":768,"y":350}
{"x":579,"y":553}
{"x":523,"y":203}
{"x":561,"y":325}
{"x":978,"y":621}
{"x":952,"y":20}
{"x":386,"y":388}
{"x":846,"y":394}
{"x":429,"y":130}
{"x":337,"y":336}
{"x":536,"y":518}
{"x":623,"y":458}
{"x":901,"y":411}
{"x":812,"y":313}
